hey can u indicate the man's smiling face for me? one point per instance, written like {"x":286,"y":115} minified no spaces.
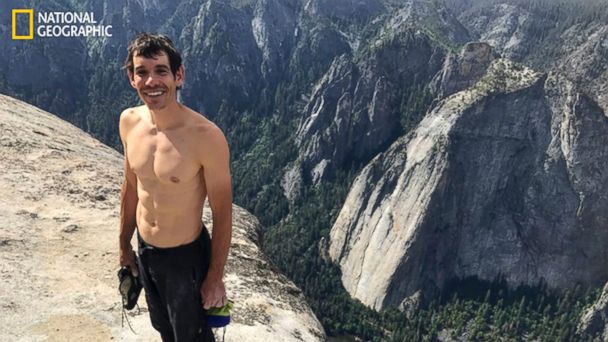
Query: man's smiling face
{"x":154,"y":81}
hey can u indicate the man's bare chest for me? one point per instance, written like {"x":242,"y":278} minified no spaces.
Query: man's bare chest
{"x":168,"y":158}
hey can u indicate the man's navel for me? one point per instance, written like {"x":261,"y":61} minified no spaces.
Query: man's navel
{"x":174,"y":179}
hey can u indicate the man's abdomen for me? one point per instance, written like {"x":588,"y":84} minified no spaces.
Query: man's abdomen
{"x":170,"y":220}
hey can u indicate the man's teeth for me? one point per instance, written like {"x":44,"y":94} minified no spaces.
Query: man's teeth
{"x":156,"y":93}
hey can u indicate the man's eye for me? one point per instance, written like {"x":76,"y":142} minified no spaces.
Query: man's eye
{"x":162,"y":72}
{"x":140,"y":73}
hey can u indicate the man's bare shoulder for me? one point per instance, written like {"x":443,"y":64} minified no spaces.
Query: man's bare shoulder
{"x":131,"y":116}
{"x":203,"y":127}
{"x":209,"y":138}
{"x":128,"y":119}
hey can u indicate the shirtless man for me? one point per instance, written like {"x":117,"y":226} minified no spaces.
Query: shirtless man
{"x":174,"y":159}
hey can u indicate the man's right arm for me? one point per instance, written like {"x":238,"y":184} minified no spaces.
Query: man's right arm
{"x":128,"y":202}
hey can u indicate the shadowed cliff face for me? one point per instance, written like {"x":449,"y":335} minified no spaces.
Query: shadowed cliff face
{"x":502,"y":179}
{"x":59,"y":193}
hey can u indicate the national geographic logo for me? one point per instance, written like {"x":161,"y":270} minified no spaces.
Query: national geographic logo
{"x":30,"y":14}
{"x":56,"y":24}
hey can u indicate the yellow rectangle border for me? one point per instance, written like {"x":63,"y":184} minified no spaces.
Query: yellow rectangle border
{"x":23,"y":11}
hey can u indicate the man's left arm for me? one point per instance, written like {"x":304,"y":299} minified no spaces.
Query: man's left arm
{"x":216,"y":172}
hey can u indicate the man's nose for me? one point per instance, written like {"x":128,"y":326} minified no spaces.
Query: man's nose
{"x":152,"y":79}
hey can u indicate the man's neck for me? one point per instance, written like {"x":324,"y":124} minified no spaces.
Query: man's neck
{"x":169,"y":117}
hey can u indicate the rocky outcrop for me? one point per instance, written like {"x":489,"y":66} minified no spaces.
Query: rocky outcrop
{"x":594,"y":321}
{"x":502,"y":179}
{"x":59,"y":191}
{"x":462,"y":70}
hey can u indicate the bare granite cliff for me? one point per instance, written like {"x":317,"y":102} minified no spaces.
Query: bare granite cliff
{"x":505,"y":178}
{"x":357,"y":108}
{"x":59,"y":192}
{"x":462,"y":70}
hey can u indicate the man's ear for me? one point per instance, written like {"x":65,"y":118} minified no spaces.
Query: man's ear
{"x":131,"y":79}
{"x":180,"y":75}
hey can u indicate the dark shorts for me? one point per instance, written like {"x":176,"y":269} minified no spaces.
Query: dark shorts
{"x":172,"y":279}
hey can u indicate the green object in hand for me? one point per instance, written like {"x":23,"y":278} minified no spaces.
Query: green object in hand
{"x":218,"y":317}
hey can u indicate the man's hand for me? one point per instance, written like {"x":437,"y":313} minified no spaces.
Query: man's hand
{"x":213,"y":293}
{"x":127,"y":258}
